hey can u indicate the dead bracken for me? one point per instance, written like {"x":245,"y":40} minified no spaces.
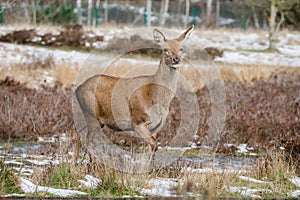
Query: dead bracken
{"x":263,"y":114}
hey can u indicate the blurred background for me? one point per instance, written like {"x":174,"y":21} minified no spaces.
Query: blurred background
{"x":208,"y":13}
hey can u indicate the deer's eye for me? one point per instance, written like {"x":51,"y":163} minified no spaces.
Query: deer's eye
{"x":181,"y":49}
{"x":165,"y":50}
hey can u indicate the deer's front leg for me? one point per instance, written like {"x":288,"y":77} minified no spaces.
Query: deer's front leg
{"x":144,"y":133}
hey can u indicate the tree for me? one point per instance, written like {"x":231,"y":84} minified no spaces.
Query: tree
{"x":187,"y":13}
{"x":208,"y":11}
{"x":255,"y":17}
{"x":280,"y":7}
{"x":90,"y":6}
{"x":149,"y":5}
{"x":79,"y":20}
{"x":277,"y":10}
{"x":164,"y":11}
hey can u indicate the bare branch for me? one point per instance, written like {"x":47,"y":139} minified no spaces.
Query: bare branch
{"x":6,"y":5}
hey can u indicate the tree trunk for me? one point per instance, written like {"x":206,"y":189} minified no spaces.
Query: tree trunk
{"x":187,"y":13}
{"x":208,"y":11}
{"x":217,"y":13}
{"x":106,"y":11}
{"x":164,"y":12}
{"x":33,"y":6}
{"x":149,"y":2}
{"x":255,"y":18}
{"x":178,"y":15}
{"x":162,"y":8}
{"x":79,"y":19}
{"x":272,"y":26}
{"x":280,"y":22}
{"x":25,"y":6}
{"x":265,"y":17}
{"x":89,"y":19}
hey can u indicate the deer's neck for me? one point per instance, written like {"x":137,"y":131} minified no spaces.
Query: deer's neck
{"x":166,"y":76}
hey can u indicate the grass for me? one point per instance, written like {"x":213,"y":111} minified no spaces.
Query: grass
{"x":65,"y":176}
{"x":62,"y":177}
{"x":8,"y":180}
{"x":273,"y":168}
{"x":115,"y":183}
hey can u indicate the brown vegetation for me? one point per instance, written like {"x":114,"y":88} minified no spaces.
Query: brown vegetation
{"x":263,"y":114}
{"x":26,"y":112}
{"x":72,"y":35}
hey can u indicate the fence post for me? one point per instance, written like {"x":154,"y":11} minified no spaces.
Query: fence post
{"x":194,"y":16}
{"x":48,"y":11}
{"x":244,"y":19}
{"x":1,"y":10}
{"x":145,"y":16}
{"x":96,"y":10}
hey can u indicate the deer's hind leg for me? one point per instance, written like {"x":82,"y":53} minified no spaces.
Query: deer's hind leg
{"x":86,"y":99}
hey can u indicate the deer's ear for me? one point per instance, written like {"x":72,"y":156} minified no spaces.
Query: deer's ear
{"x":186,"y":33}
{"x":158,"y":37}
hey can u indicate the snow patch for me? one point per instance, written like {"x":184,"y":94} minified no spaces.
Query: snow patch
{"x":295,"y":194}
{"x":295,"y":180}
{"x":163,"y":187}
{"x":12,"y":162}
{"x":29,"y":187}
{"x":91,"y":182}
{"x":247,"y":192}
{"x":245,"y":178}
{"x":210,"y":170}
{"x":242,"y":148}
{"x":44,"y":162}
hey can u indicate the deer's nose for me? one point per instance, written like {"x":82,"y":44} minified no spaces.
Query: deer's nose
{"x":176,"y":60}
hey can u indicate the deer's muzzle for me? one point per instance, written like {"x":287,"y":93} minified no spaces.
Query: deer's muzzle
{"x":176,"y":60}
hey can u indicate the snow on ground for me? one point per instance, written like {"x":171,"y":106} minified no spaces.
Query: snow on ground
{"x":162,"y":187}
{"x":247,"y":192}
{"x":295,"y":194}
{"x":241,"y":148}
{"x":217,"y":170}
{"x":296,"y":181}
{"x":44,"y":162}
{"x":29,"y":187}
{"x":245,"y":178}
{"x":247,"y":47}
{"x":91,"y":182}
{"x":265,"y":58}
{"x":13,"y":53}
{"x":239,"y":47}
{"x":231,"y":40}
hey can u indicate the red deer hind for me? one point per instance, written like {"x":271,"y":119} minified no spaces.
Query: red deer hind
{"x":139,"y":104}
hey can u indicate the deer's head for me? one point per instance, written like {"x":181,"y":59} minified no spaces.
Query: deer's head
{"x":172,"y":49}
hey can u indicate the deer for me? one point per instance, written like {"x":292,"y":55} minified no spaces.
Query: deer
{"x":139,"y":104}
